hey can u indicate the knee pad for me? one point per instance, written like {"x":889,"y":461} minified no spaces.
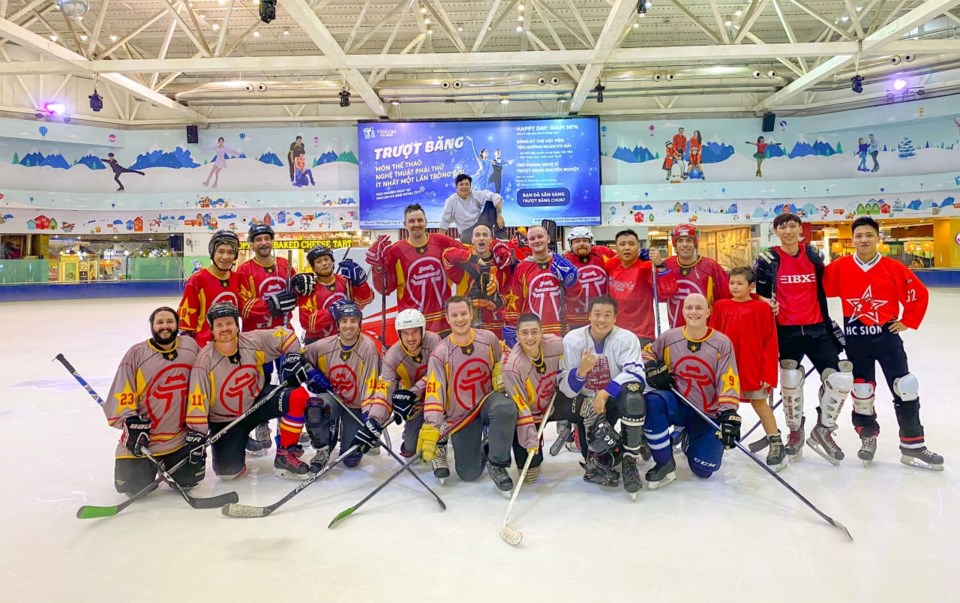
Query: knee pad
{"x":791,"y":377}
{"x":791,"y":388}
{"x":864,"y":397}
{"x":907,"y":388}
{"x":630,"y":402}
{"x":318,"y":421}
{"x":701,"y":468}
{"x":836,"y":385}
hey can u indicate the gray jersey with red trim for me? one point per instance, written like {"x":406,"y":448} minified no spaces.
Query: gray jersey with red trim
{"x":459,"y":378}
{"x":354,"y":373}
{"x":402,"y":370}
{"x":534,"y":384}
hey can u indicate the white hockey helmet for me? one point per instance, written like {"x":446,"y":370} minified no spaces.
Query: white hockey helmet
{"x":409,"y":319}
{"x":579,"y":232}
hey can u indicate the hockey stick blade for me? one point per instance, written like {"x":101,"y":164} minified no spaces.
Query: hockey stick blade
{"x":213,"y":502}
{"x":341,"y":515}
{"x":94,"y":512}
{"x":235,"y":509}
{"x":510,"y":534}
{"x":759,"y":445}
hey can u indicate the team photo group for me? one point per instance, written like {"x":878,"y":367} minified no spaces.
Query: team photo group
{"x":496,"y":338}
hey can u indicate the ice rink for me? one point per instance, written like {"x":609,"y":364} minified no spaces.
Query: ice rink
{"x":739,"y":536}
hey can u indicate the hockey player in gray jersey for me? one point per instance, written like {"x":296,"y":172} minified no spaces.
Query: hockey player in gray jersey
{"x":602,"y":372}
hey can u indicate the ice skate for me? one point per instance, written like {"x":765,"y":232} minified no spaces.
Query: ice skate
{"x":821,"y":440}
{"x":501,"y":479}
{"x":304,"y":438}
{"x":254,"y":447}
{"x":921,"y":457}
{"x":441,"y":469}
{"x":776,"y":456}
{"x":263,"y":436}
{"x":661,"y":475}
{"x":596,"y":472}
{"x":631,"y":476}
{"x":319,"y":460}
{"x":287,"y":465}
{"x":868,"y":448}
{"x":533,"y":473}
{"x":794,"y":447}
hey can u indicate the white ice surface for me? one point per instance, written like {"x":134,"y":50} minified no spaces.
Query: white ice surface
{"x":739,"y":536}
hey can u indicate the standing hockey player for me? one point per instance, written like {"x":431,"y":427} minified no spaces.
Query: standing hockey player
{"x":791,"y":277}
{"x":601,"y":371}
{"x":748,"y":323}
{"x":694,"y":273}
{"x":227,"y":380}
{"x":147,"y":402}
{"x":485,"y":265}
{"x":217,"y":283}
{"x":631,"y":284}
{"x":351,"y":362}
{"x":414,"y":268}
{"x":464,"y":383}
{"x":589,"y":260}
{"x":265,"y":303}
{"x":539,"y":284}
{"x":872,"y":289}
{"x":321,"y":292}
{"x":699,"y":362}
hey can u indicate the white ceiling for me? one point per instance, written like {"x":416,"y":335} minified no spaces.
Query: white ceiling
{"x":165,"y":62}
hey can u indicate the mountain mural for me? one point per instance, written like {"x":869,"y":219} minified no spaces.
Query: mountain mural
{"x":639,"y":154}
{"x":715,"y":151}
{"x":177,"y":158}
{"x":270,"y":158}
{"x":91,"y":161}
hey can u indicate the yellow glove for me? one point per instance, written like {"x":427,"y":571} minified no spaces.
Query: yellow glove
{"x":491,"y":287}
{"x":497,"y":375}
{"x":427,"y":441}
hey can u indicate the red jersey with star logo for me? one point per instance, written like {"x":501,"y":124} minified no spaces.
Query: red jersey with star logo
{"x":315,"y":317}
{"x":534,"y":288}
{"x":593,"y":283}
{"x":705,"y":276}
{"x":202,"y":290}
{"x":256,"y":282}
{"x":872,"y":293}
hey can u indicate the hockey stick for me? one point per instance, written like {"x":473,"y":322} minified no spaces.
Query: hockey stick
{"x":763,"y":465}
{"x":762,"y":443}
{"x":197,"y":503}
{"x":238,"y":510}
{"x":358,"y":420}
{"x":93,"y":511}
{"x":508,"y":533}
{"x":383,"y":308}
{"x":656,"y":300}
{"x":351,"y":510}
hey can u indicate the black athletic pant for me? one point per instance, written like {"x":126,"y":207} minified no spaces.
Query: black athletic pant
{"x":812,"y":341}
{"x":886,"y":348}
{"x":229,"y":452}
{"x":132,"y":475}
{"x":488,"y":218}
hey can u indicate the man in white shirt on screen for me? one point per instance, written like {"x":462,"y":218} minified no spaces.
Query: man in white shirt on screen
{"x":467,"y":208}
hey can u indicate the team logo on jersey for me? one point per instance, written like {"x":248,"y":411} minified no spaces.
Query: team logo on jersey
{"x":798,"y":279}
{"x":684,"y":288}
{"x":344,"y":382}
{"x":272,"y":284}
{"x":241,"y":384}
{"x":620,"y":286}
{"x":599,"y":376}
{"x":695,"y":380}
{"x":594,"y":282}
{"x":544,"y":293}
{"x":471,"y":382}
{"x":168,"y":390}
{"x":228,"y":297}
{"x":865,"y":306}
{"x":545,"y":392}
{"x":426,"y":281}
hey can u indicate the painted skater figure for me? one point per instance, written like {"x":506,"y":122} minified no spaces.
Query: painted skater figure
{"x":863,"y":148}
{"x":874,"y":152}
{"x":761,"y":153}
{"x":118,"y":169}
{"x":219,"y":162}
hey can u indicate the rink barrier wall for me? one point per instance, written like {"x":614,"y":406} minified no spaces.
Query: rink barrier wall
{"x":55,"y":292}
{"x":939,"y":277}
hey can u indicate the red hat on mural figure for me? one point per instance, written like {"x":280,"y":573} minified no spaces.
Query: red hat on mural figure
{"x":684,"y":230}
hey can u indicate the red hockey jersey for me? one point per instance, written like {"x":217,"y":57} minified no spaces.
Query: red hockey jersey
{"x":593,"y":283}
{"x":461,"y":272}
{"x":704,"y":276}
{"x":534,"y":288}
{"x":202,"y":290}
{"x":256,"y":282}
{"x":872,"y":293}
{"x":315,"y":317}
{"x":633,"y":289}
{"x":751,"y":328}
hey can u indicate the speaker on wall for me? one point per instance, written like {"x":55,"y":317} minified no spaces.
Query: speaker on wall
{"x":193,"y":135}
{"x":769,"y":120}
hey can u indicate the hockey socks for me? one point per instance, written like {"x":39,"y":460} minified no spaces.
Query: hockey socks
{"x":291,"y":423}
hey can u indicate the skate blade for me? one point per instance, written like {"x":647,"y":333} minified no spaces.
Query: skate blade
{"x":256,"y":453}
{"x":819,"y":450}
{"x":666,"y":480}
{"x":777,"y":468}
{"x":374,"y":452}
{"x":511,"y":535}
{"x":909,"y":460}
{"x":442,"y":475}
{"x":287,"y":474}
{"x":866,"y":463}
{"x":633,"y":495}
{"x":504,"y":493}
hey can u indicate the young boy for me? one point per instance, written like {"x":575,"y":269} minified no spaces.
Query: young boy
{"x":748,"y":321}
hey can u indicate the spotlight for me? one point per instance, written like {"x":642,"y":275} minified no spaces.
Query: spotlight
{"x":444,"y":85}
{"x":642,"y":6}
{"x":542,"y":81}
{"x":599,"y":90}
{"x":261,"y":87}
{"x":670,"y":77}
{"x":96,"y":101}
{"x":856,"y":84}
{"x":395,"y":103}
{"x":895,"y":59}
{"x":344,"y":97}
{"x":657,"y":76}
{"x":268,"y":10}
{"x":921,"y":91}
{"x":554,"y":80}
{"x":772,"y":73}
{"x":899,"y":84}
{"x":457,"y":84}
{"x":55,"y":108}
{"x":908,"y":58}
{"x":73,"y":8}
{"x":757,"y":74}
{"x":504,"y":100}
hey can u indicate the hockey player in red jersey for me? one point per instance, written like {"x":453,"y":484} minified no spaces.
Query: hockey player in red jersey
{"x":539,"y":284}
{"x":589,"y":260}
{"x":694,"y":273}
{"x":873,"y":289}
{"x":215,"y":284}
{"x":748,"y":322}
{"x":148,"y":401}
{"x":485,"y":266}
{"x":631,"y":284}
{"x":414,"y":268}
{"x":320,"y":293}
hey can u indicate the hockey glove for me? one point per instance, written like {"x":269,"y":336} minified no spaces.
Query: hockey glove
{"x":281,"y":302}
{"x":658,"y":374}
{"x":509,"y":336}
{"x":368,"y":436}
{"x":729,"y":434}
{"x":137,"y":430}
{"x":195,"y":444}
{"x":317,"y":382}
{"x":502,"y":258}
{"x":404,"y":405}
{"x":377,"y":251}
{"x":644,"y":255}
{"x":304,"y":283}
{"x":563,"y":270}
{"x":293,"y":370}
{"x":352,"y":271}
{"x":427,"y":441}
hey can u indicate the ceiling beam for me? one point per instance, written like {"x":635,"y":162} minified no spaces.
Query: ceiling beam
{"x":882,"y":38}
{"x":855,"y":17}
{"x":606,"y":43}
{"x":753,"y":13}
{"x":819,"y":18}
{"x":696,"y":21}
{"x":721,"y":25}
{"x":324,"y":40}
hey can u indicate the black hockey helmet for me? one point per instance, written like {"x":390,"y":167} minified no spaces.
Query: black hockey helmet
{"x":224,"y":237}
{"x":222,"y":309}
{"x":258,"y":229}
{"x":318,"y":252}
{"x":349,"y":309}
